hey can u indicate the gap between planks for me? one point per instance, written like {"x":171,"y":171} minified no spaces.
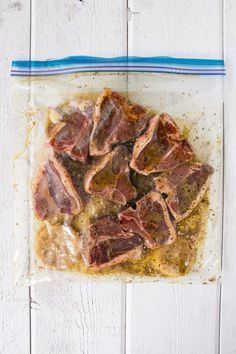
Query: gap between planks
{"x":223,"y":192}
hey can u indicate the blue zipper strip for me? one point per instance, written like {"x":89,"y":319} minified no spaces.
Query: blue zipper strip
{"x":79,"y":64}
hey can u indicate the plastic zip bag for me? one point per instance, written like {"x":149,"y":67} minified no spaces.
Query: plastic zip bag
{"x":98,"y":191}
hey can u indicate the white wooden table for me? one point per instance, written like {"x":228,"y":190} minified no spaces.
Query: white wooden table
{"x":111,"y":318}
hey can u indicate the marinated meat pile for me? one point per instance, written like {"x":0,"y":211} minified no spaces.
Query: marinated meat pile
{"x":121,"y":153}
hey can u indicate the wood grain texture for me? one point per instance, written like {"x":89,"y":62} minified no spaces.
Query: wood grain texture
{"x":185,"y":28}
{"x":77,"y":318}
{"x":81,"y":317}
{"x":14,"y":302}
{"x":177,"y":319}
{"x":228,"y":304}
{"x":78,"y":28}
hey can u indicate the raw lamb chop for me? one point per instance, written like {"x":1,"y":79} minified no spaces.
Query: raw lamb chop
{"x":54,"y":193}
{"x":115,"y":121}
{"x":107,"y":244}
{"x":185,"y":186}
{"x":44,"y":206}
{"x":109,"y":177}
{"x":150,"y":220}
{"x":160,"y":148}
{"x":71,"y":134}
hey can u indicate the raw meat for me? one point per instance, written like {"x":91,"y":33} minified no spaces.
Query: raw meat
{"x":53,"y":192}
{"x":185,"y":186}
{"x":109,"y":177}
{"x":71,"y":135}
{"x":107,"y":244}
{"x":44,"y":206}
{"x":160,"y":148}
{"x":150,"y":220}
{"x":115,"y":121}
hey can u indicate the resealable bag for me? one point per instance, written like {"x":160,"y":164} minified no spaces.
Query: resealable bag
{"x":118,"y":169}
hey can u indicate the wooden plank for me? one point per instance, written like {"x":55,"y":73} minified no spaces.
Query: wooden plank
{"x":14,"y":302}
{"x":184,"y":28}
{"x":228,"y":308}
{"x":81,"y":317}
{"x":170,"y":318}
{"x":79,"y":28}
{"x":77,"y":318}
